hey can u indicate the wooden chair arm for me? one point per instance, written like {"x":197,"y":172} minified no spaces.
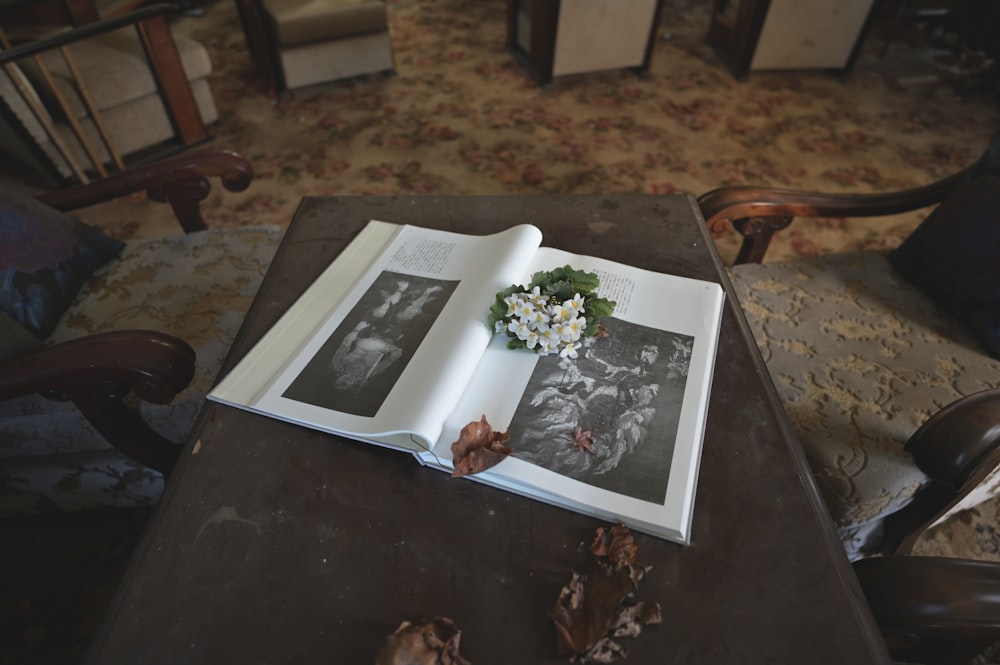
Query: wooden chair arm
{"x":153,"y":365}
{"x":958,"y":447}
{"x":97,"y":372}
{"x":757,"y":213}
{"x":933,"y":609}
{"x":952,"y":446}
{"x":181,"y":181}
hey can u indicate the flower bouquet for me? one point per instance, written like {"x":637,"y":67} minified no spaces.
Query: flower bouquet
{"x":552,"y":314}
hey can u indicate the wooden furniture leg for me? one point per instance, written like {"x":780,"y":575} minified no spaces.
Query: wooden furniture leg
{"x":259,"y":42}
{"x":158,"y":42}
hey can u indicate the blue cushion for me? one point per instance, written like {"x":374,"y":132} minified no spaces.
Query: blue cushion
{"x":954,"y":255}
{"x":45,"y":257}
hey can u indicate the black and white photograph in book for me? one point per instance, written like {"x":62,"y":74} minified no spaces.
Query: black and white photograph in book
{"x":608,"y":418}
{"x":361,"y":361}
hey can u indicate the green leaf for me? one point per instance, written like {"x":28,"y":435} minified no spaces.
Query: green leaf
{"x":564,"y":282}
{"x":516,"y":343}
{"x":583,"y":282}
{"x":561,"y":290}
{"x":598,"y":308}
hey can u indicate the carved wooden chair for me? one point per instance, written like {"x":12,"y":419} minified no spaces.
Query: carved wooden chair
{"x":107,"y":349}
{"x":888,"y":364}
{"x":864,"y":347}
{"x":77,"y":103}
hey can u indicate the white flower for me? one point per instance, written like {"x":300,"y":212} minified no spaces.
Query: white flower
{"x":561,"y":312}
{"x":573,"y":329}
{"x":519,"y":328}
{"x":513,"y":301}
{"x":539,"y":320}
{"x":568,"y":309}
{"x":525,"y":310}
{"x":548,"y":341}
{"x":569,"y":350}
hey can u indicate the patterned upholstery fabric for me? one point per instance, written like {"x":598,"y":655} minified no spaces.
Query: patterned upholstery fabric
{"x":197,"y":287}
{"x":860,"y":359}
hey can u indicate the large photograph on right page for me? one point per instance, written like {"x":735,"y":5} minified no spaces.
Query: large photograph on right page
{"x":626,"y":389}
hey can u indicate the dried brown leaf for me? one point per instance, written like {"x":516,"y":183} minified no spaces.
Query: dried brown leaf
{"x":425,"y":642}
{"x":616,"y":544}
{"x":478,"y":448}
{"x":588,"y":607}
{"x":595,"y":609}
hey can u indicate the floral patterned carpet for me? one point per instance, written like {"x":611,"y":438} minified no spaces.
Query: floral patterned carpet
{"x":460,"y":116}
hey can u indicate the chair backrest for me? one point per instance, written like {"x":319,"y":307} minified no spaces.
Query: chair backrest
{"x":59,"y":88}
{"x":26,"y":127}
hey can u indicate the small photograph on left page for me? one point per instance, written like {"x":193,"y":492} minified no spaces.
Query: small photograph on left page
{"x":359,"y":364}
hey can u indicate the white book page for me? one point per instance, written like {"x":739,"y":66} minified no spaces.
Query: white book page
{"x":394,"y":356}
{"x":657,"y":313}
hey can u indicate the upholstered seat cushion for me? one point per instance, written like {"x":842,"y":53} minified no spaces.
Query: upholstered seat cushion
{"x":197,"y":287}
{"x":297,"y":22}
{"x":860,"y":359}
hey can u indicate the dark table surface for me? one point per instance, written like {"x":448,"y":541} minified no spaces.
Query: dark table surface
{"x":278,"y":544}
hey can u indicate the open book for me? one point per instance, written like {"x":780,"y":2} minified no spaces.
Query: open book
{"x":390,"y":345}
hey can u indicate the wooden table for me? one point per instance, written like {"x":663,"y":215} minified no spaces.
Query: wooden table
{"x":278,"y":544}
